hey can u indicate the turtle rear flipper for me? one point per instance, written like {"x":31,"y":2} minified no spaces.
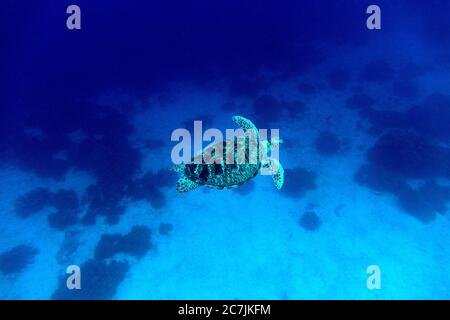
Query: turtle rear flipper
{"x":277,"y":172}
{"x":185,"y":185}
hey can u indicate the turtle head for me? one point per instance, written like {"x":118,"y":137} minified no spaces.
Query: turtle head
{"x":178,"y":168}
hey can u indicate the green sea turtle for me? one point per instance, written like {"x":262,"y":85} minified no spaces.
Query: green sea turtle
{"x":219,"y":173}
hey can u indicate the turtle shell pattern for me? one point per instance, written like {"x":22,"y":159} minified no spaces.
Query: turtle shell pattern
{"x":220,"y":173}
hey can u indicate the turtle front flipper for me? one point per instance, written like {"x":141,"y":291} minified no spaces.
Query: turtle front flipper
{"x":244,"y":123}
{"x":185,"y":185}
{"x":277,"y":172}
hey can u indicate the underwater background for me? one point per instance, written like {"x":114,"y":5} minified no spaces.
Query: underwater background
{"x":85,"y":123}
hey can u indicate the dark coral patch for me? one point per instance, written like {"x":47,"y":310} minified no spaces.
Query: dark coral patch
{"x":157,"y":199}
{"x":64,"y":201}
{"x":298,"y":181}
{"x":360,"y":101}
{"x":69,"y":247}
{"x":164,"y":178}
{"x":165,"y":228}
{"x":266,"y":109}
{"x":381,"y":120}
{"x":378,"y":179}
{"x":327,"y":144}
{"x":136,"y":243}
{"x":109,"y":158}
{"x":148,"y":187}
{"x":103,"y":202}
{"x":408,"y":154}
{"x":378,"y":71}
{"x":103,"y":150}
{"x":294,"y":107}
{"x":401,"y":155}
{"x":436,"y":195}
{"x":422,"y":203}
{"x":432,"y":117}
{"x":100,"y":280}
{"x":67,"y":204}
{"x":310,"y":221}
{"x":16,"y":259}
{"x":36,"y":154}
{"x":417,"y":204}
{"x":62,"y":219}
{"x":32,"y":202}
{"x":265,"y":101}
{"x":338,"y":79}
{"x":429,"y":118}
{"x":107,"y":154}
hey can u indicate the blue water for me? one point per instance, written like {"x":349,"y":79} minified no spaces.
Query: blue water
{"x":87,"y":115}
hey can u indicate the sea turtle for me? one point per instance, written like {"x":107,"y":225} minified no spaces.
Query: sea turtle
{"x":219,"y":173}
